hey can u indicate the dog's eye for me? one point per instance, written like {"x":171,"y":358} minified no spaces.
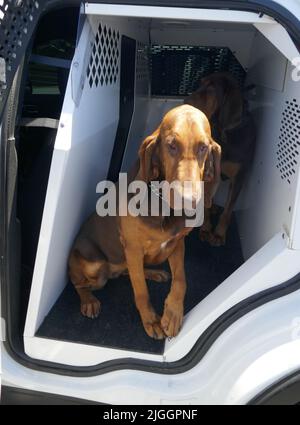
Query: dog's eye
{"x":172,"y":148}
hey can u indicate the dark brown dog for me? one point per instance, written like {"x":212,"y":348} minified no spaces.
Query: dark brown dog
{"x":180,"y":149}
{"x":220,"y":98}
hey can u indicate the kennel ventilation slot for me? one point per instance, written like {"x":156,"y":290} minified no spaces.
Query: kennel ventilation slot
{"x":289,"y":144}
{"x":103,"y":67}
{"x":16,"y":32}
{"x":177,"y":70}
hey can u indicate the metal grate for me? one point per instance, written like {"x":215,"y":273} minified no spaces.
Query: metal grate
{"x":17,"y":21}
{"x":289,"y":141}
{"x":176,"y":70}
{"x":103,"y":68}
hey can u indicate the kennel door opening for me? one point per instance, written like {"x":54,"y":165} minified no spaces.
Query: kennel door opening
{"x":83,"y":152}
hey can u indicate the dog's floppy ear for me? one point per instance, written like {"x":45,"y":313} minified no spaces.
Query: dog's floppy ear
{"x":231,"y":107}
{"x":205,"y":99}
{"x":149,"y":164}
{"x":212,"y":172}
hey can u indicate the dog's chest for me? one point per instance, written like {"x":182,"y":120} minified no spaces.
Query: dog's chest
{"x":154,"y":247}
{"x":157,"y":249}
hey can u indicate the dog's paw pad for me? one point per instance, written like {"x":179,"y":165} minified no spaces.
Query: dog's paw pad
{"x":155,"y":331}
{"x":161,"y":276}
{"x":171,"y":321}
{"x":217,"y":240}
{"x":91,"y":308}
{"x":157,"y":275}
{"x":153,"y":327}
{"x":204,"y":235}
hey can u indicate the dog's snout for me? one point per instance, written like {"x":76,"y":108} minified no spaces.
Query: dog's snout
{"x":187,"y":193}
{"x":191,"y":200}
{"x":191,"y":197}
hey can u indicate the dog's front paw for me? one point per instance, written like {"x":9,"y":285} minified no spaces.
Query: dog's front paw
{"x":152,"y":326}
{"x":90,"y":307}
{"x":171,"y":321}
{"x":204,"y":235}
{"x":217,"y":239}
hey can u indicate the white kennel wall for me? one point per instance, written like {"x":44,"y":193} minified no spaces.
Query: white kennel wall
{"x":82,"y":153}
{"x":270,"y":195}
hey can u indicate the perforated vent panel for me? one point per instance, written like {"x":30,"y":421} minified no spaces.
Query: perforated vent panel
{"x":289,"y":141}
{"x":17,"y":21}
{"x":142,"y":62}
{"x":103,"y":68}
{"x":176,"y":70}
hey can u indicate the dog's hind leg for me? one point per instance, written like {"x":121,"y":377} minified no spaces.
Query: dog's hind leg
{"x":153,"y":274}
{"x":86,"y":276}
{"x":157,"y":275}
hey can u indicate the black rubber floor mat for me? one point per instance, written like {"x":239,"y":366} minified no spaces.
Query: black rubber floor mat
{"x":119,"y":325}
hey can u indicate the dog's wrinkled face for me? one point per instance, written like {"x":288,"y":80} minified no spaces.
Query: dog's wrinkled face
{"x":219,"y":96}
{"x":206,"y":97}
{"x":184,"y":146}
{"x":177,"y":152}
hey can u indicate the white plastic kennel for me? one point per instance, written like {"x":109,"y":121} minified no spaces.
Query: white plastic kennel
{"x":97,"y":108}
